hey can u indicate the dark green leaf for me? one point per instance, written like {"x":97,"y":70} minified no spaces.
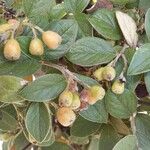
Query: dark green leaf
{"x":7,"y":121}
{"x":90,"y":51}
{"x":83,"y":127}
{"x":140,"y":62}
{"x":108,"y":138}
{"x":144,"y":4}
{"x":96,"y":113}
{"x":121,"y":106}
{"x":38,"y":121}
{"x":45,"y":88}
{"x":143,"y":131}
{"x":127,"y":143}
{"x":105,"y":23}
{"x":75,"y":5}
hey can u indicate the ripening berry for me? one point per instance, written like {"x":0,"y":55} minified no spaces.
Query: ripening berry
{"x":5,"y":27}
{"x":12,"y":50}
{"x":36,"y":47}
{"x":51,"y":39}
{"x":65,"y":99}
{"x":98,"y":74}
{"x":118,"y":87}
{"x":97,"y":93}
{"x":5,"y":137}
{"x":65,"y":116}
{"x":75,"y":102}
{"x":109,"y":73}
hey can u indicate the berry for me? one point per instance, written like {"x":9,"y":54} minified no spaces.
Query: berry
{"x":36,"y":47}
{"x":12,"y":50}
{"x":85,"y":95}
{"x":118,"y":87}
{"x":5,"y":27}
{"x":65,"y":99}
{"x":109,"y":73}
{"x":51,"y":39}
{"x":97,"y":93}
{"x":98,"y":74}
{"x":75,"y":102}
{"x":65,"y":116}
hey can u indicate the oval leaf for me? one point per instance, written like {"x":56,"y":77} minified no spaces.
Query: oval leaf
{"x":38,"y":121}
{"x":147,"y":23}
{"x":105,"y":23}
{"x":127,"y":143}
{"x":147,"y":81}
{"x":128,"y":28}
{"x":78,"y":129}
{"x":121,"y":106}
{"x":90,"y":51}
{"x":96,"y":113}
{"x":140,"y":62}
{"x":44,"y":88}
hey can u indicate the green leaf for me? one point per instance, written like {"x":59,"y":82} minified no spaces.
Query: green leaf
{"x":87,"y":80}
{"x":90,"y":51}
{"x":144,"y":4}
{"x":143,"y":131}
{"x":96,"y":113}
{"x":26,"y":65}
{"x":38,"y":10}
{"x":105,"y":23}
{"x":121,"y":106}
{"x":9,"y":86}
{"x":108,"y":138}
{"x":94,"y":144}
{"x":140,"y":62}
{"x":78,"y":129}
{"x":38,"y":121}
{"x":127,"y":143}
{"x":45,"y":88}
{"x":57,"y":146}
{"x":68,"y":30}
{"x":84,"y":27}
{"x":147,"y":81}
{"x":57,"y":12}
{"x":147,"y":23}
{"x":7,"y":121}
{"x":75,"y":5}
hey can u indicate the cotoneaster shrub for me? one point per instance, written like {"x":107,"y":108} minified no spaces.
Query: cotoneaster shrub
{"x":75,"y":74}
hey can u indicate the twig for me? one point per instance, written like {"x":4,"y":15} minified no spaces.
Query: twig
{"x":133,"y":127}
{"x":68,"y":74}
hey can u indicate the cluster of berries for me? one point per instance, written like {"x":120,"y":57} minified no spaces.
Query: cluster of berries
{"x":12,"y":49}
{"x":108,"y":73}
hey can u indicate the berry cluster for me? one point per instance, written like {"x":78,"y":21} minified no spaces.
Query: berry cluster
{"x":108,"y":73}
{"x":12,"y":49}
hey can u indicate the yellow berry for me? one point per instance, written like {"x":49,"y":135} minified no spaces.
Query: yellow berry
{"x":98,"y":74}
{"x":65,"y":116}
{"x":12,"y":50}
{"x":75,"y":102}
{"x":5,"y":27}
{"x":51,"y":39}
{"x":36,"y":47}
{"x":118,"y":87}
{"x":109,"y":73}
{"x":65,"y":99}
{"x":97,"y":93}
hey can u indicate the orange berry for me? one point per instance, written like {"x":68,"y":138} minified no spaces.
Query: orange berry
{"x":65,"y":116}
{"x":12,"y":50}
{"x":51,"y":39}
